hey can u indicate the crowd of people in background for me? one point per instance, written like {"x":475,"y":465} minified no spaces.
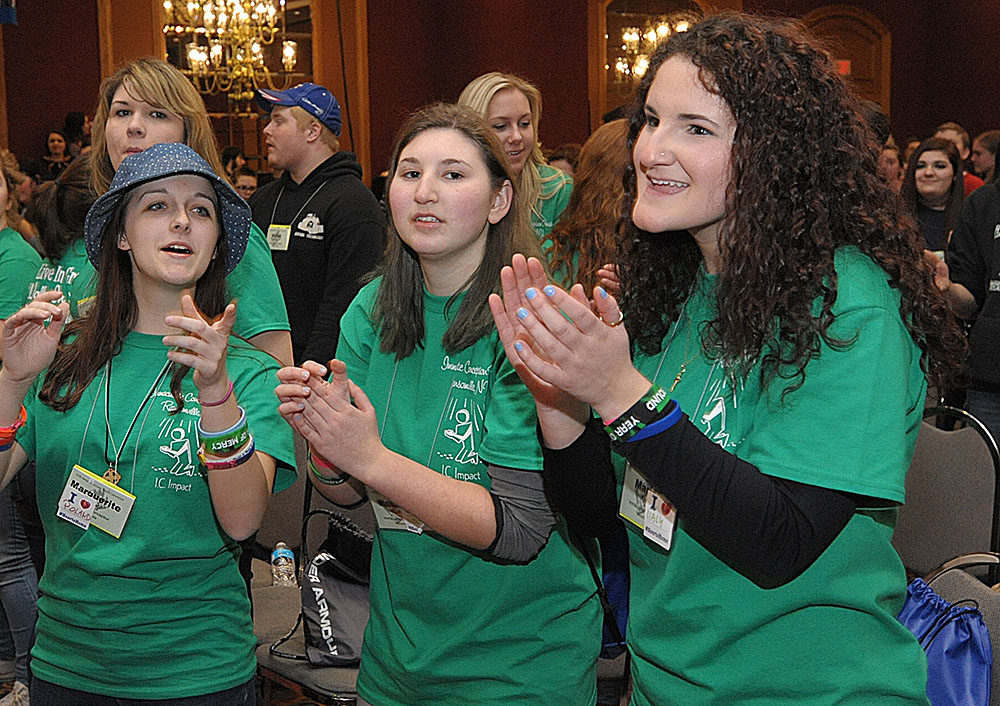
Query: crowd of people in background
{"x":637,"y":346}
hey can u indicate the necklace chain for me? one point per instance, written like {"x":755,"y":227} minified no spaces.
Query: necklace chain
{"x":112,"y":473}
{"x":687,"y":348}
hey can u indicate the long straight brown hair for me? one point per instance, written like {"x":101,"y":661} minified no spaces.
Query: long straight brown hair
{"x":88,"y":343}
{"x":399,"y":304}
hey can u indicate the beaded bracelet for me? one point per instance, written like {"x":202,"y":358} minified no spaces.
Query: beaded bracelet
{"x":640,"y":414}
{"x":7,"y":434}
{"x":325,"y":480}
{"x":229,"y":393}
{"x":242,"y":457}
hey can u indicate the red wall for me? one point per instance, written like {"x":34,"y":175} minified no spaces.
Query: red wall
{"x":420,"y":52}
{"x":53,"y":67}
{"x":943,"y":61}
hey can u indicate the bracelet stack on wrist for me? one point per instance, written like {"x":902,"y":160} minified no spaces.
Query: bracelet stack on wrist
{"x":8,"y":434}
{"x":653,"y":413}
{"x":228,"y":448}
{"x":316,"y":462}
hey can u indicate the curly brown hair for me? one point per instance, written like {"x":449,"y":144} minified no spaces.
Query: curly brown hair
{"x":590,"y":222}
{"x":804,"y":184}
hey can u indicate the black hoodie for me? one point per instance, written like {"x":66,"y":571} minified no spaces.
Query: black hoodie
{"x":336,"y":237}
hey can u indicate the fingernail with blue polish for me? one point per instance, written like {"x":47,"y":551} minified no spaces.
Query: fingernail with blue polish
{"x":518,"y":347}
{"x":522,"y":313}
{"x":549,"y":290}
{"x":602,"y":292}
{"x":530,"y":293}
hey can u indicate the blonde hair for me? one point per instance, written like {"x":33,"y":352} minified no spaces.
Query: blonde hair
{"x":159,"y":84}
{"x":304,"y":120}
{"x":477,"y":96}
{"x":13,"y":178}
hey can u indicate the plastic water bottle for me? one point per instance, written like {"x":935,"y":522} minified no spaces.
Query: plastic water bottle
{"x":282,"y":566}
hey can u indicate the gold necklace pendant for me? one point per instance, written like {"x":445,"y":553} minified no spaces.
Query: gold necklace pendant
{"x":680,"y":374}
{"x":112,"y":476}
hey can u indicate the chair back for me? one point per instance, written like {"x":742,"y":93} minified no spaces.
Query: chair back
{"x":953,"y":582}
{"x":951,"y":494}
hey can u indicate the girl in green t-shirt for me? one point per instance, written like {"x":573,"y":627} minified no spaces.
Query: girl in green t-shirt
{"x":141,"y":596}
{"x":773,"y":290}
{"x":512,"y":107}
{"x":476,"y":594}
{"x":147,"y":102}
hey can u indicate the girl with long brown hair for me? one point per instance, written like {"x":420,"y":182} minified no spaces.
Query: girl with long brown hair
{"x":156,"y":447}
{"x":759,"y":390}
{"x":477,"y":595}
{"x":146,"y":102}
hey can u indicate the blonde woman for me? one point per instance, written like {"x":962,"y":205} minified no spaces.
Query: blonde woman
{"x":147,"y":102}
{"x":513,"y":107}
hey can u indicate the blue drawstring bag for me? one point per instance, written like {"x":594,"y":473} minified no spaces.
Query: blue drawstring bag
{"x":957,"y":643}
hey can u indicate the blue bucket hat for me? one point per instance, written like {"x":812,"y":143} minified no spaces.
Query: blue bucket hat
{"x":314,"y":99}
{"x":164,"y":160}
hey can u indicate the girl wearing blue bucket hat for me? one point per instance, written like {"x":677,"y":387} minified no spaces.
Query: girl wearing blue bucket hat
{"x":146,"y":102}
{"x":157,"y":447}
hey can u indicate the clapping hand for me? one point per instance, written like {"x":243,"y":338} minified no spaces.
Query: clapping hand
{"x":202,"y":346}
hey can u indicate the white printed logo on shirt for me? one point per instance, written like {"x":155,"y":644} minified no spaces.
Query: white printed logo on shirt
{"x":310,"y":227}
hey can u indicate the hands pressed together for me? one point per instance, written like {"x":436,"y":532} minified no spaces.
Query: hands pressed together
{"x":328,"y":414}
{"x":570,"y":351}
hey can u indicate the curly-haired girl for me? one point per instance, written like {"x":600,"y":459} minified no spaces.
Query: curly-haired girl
{"x":773,"y":290}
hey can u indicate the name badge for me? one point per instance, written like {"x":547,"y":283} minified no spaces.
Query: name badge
{"x":278,"y":236}
{"x":647,"y":509}
{"x":393,"y":517}
{"x":661,"y":518}
{"x":633,"y":502}
{"x":87,"y":499}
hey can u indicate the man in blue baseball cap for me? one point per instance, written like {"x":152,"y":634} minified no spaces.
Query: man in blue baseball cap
{"x":323,"y":225}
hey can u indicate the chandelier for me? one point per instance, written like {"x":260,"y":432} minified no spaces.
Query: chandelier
{"x":638,"y":44}
{"x":224,"y":45}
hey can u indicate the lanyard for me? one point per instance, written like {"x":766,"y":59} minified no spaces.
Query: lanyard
{"x":296,"y":216}
{"x":112,"y":473}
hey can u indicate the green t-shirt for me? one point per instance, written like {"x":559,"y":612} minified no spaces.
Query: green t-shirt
{"x":163,"y":611}
{"x":254,"y":283}
{"x":449,"y":625}
{"x":557,"y":186}
{"x":18,"y":264}
{"x":73,"y":275}
{"x":703,"y":634}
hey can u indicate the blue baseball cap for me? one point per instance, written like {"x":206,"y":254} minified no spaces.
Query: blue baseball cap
{"x":315,"y":100}
{"x":156,"y":162}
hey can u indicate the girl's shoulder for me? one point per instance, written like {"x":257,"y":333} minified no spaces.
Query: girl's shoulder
{"x":861,"y":282}
{"x":553,"y":181}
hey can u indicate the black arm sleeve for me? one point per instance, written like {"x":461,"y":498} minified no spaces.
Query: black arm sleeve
{"x":768,"y":529}
{"x":580,"y":482}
